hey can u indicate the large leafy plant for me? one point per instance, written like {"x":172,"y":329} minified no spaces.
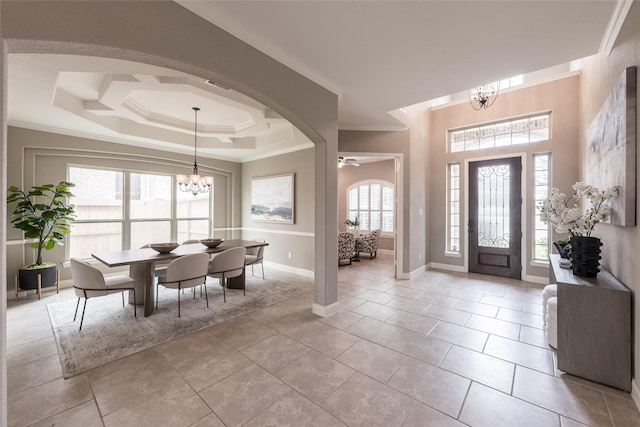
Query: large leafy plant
{"x":43,"y":214}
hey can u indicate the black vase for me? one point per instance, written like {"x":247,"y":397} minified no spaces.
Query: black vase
{"x":585,"y":256}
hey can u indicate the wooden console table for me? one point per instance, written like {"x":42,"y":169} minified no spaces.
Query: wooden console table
{"x":594,"y":326}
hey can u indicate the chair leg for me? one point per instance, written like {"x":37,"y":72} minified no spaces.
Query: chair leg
{"x":252,"y":270}
{"x":178,"y":300}
{"x":122,"y":293}
{"x":262,"y":265}
{"x":205,"y":292}
{"x":76,"y":313}
{"x":157,"y":296}
{"x":83,"y":309}
{"x":244,"y":282}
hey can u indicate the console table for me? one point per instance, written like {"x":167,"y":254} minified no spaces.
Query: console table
{"x":594,"y":326}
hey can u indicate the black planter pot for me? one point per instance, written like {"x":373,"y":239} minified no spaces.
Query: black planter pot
{"x":585,"y":256}
{"x":28,"y":279}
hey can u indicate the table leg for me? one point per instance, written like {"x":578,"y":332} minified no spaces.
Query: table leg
{"x":236,"y":282}
{"x":145,"y":291}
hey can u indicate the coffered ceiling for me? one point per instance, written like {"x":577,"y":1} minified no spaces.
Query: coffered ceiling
{"x":377,"y":56}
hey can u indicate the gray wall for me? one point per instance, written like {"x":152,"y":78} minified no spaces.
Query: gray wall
{"x":296,"y":238}
{"x":347,"y":176}
{"x":621,"y":245}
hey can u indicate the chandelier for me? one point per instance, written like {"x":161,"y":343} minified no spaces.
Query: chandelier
{"x":484,"y":96}
{"x":195,"y":183}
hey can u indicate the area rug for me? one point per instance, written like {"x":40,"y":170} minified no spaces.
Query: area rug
{"x":110,"y":332}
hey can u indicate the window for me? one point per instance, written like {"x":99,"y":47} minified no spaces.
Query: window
{"x":523,"y":130}
{"x":152,"y":211}
{"x":373,"y":202}
{"x":541,"y":167}
{"x":99,"y":211}
{"x":453,"y":207}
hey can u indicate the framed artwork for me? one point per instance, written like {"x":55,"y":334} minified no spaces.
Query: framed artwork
{"x":272,"y":198}
{"x":611,"y":148}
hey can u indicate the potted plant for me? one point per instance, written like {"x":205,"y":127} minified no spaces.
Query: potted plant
{"x":44,"y":215}
{"x":353,"y":223}
{"x":566,"y":216}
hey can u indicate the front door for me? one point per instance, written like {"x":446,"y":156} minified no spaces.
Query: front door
{"x":494,"y":217}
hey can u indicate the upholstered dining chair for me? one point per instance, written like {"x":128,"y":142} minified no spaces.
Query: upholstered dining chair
{"x":346,"y":246}
{"x":226,"y":265}
{"x":185,"y":272}
{"x":89,"y":282}
{"x":254,"y":256}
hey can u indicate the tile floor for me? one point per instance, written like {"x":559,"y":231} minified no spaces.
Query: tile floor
{"x":441,"y":350}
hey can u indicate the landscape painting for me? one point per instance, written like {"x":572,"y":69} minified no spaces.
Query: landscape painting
{"x":611,"y":148}
{"x":272,"y":198}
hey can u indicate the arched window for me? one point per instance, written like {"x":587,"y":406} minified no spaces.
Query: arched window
{"x":373,"y":202}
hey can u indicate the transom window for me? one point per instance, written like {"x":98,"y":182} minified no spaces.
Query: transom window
{"x":373,"y":202}
{"x":522,"y":130}
{"x":119,"y":209}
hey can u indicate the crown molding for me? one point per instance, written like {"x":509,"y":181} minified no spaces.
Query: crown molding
{"x":615,"y":24}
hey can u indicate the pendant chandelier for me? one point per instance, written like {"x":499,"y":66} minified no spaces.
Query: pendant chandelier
{"x":195,"y":183}
{"x":484,"y":96}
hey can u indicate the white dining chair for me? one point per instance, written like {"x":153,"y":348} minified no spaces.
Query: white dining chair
{"x":255,"y":256}
{"x":89,"y":282}
{"x":185,"y":272}
{"x":226,"y":265}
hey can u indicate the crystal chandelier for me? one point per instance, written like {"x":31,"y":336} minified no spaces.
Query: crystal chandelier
{"x":195,"y":183}
{"x":484,"y":96}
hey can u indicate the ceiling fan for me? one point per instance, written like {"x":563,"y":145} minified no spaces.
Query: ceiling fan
{"x":347,"y":162}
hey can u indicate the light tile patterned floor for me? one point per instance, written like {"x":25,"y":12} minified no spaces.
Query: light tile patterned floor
{"x":443,"y":349}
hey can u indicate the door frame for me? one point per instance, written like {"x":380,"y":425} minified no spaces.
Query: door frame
{"x":524,"y":181}
{"x":398,"y":250}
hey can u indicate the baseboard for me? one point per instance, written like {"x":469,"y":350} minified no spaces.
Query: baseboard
{"x":412,"y":274}
{"x":635,"y":394}
{"x":325,"y":311}
{"x":289,"y":269}
{"x":448,"y":267}
{"x":386,"y":251}
{"x":536,"y":279}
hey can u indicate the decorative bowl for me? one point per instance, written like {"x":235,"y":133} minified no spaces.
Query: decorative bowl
{"x":163,"y":248}
{"x":211,"y":243}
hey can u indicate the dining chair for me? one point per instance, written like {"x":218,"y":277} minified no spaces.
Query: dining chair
{"x":226,"y":265}
{"x":89,"y":282}
{"x":254,"y":256}
{"x":187,"y":271}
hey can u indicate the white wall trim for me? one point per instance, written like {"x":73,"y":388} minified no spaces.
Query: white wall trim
{"x":615,"y":24}
{"x":267,"y":230}
{"x":289,"y":269}
{"x":449,"y":267}
{"x":412,"y":274}
{"x":635,"y":393}
{"x":325,"y":311}
{"x":536,"y":279}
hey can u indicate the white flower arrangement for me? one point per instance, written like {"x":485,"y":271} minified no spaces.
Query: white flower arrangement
{"x":555,"y":209}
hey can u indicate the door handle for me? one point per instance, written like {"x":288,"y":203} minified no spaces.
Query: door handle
{"x":471,"y":225}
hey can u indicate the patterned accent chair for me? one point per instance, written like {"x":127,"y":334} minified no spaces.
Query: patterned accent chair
{"x":368,"y":243}
{"x":346,"y":246}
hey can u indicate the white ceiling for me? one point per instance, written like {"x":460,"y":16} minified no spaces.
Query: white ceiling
{"x":377,"y":56}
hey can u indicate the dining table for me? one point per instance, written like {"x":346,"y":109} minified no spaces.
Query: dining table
{"x":142,"y":263}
